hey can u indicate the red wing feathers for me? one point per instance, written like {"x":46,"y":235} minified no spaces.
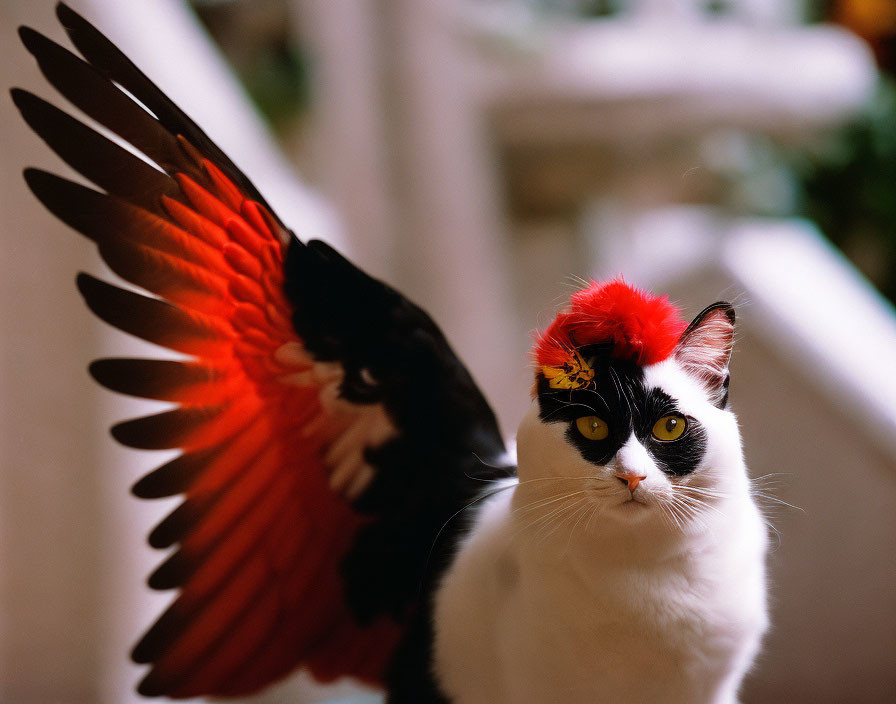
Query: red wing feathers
{"x":260,"y":533}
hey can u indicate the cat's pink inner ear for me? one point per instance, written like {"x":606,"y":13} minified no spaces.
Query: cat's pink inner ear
{"x":705,"y":348}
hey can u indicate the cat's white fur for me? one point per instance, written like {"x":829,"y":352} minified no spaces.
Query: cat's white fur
{"x":595,"y":598}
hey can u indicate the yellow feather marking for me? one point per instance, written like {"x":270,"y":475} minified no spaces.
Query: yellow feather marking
{"x":575,"y":373}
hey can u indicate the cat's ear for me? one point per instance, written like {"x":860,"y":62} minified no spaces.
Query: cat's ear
{"x":705,"y":348}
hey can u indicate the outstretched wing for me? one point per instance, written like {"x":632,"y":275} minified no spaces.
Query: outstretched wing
{"x":327,"y":430}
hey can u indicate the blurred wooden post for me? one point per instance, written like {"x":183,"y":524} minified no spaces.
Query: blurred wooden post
{"x":402,"y":151}
{"x":451,"y":246}
{"x":349,"y":151}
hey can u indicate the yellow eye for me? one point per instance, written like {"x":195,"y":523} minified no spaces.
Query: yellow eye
{"x":592,"y":427}
{"x":669,"y":427}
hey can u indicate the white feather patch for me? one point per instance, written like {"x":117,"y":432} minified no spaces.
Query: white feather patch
{"x":349,"y":428}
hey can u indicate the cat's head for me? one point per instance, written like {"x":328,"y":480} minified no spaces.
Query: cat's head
{"x":629,"y":420}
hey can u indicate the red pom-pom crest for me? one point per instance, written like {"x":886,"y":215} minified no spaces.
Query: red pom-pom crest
{"x":642,"y":327}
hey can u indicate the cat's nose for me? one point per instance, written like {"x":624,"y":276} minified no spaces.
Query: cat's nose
{"x":632,"y":480}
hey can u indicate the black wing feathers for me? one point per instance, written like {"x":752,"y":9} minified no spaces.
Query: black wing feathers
{"x":395,"y":354}
{"x":151,"y":319}
{"x":108,"y":165}
{"x":109,"y":59}
{"x":164,"y":431}
{"x":88,"y":90}
{"x":159,"y":379}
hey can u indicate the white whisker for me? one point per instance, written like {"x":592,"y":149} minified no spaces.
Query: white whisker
{"x":560,"y":520}
{"x":581,"y":513}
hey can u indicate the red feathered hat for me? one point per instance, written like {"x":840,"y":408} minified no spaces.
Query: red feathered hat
{"x":642,"y":327}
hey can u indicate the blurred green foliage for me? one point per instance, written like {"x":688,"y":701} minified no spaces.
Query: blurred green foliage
{"x":277,"y":80}
{"x":258,"y":39}
{"x":847,"y":185}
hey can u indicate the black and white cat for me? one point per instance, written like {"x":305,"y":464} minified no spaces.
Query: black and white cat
{"x":330,"y":438}
{"x":627,"y":564}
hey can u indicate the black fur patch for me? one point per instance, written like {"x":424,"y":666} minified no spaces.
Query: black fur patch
{"x":620,"y":398}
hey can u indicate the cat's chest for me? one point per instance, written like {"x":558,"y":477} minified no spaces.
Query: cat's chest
{"x":610,"y":634}
{"x":531,"y":621}
{"x":611,"y":607}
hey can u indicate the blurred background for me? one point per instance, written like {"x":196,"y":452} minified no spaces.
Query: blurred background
{"x":482,"y":155}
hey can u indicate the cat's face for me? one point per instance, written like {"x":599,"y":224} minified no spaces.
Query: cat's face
{"x":650,"y":444}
